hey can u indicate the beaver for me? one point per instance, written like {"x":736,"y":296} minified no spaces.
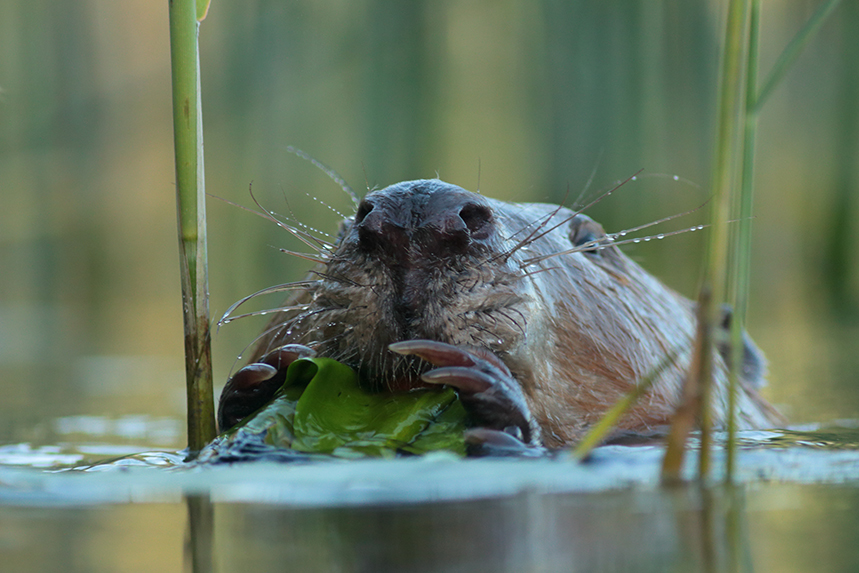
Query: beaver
{"x":529,"y":310}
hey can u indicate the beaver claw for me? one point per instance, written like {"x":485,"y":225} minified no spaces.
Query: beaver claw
{"x":254,"y":385}
{"x":491,"y":395}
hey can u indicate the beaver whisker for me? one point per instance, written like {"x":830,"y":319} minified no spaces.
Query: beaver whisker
{"x":541,"y":220}
{"x":473,"y":278}
{"x":333,"y":175}
{"x":657,"y":236}
{"x":520,"y":313}
{"x":267,"y":216}
{"x":322,"y":259}
{"x":321,"y":245}
{"x":600,"y":244}
{"x":263,"y":312}
{"x":479,"y":341}
{"x":577,"y":212}
{"x":341,"y":279}
{"x":589,"y":182}
{"x":336,"y":337}
{"x":327,"y":206}
{"x":290,"y":324}
{"x":310,"y":230}
{"x":528,"y":274}
{"x":494,"y":337}
{"x":657,"y":222}
{"x":307,"y":231}
{"x":546,"y":218}
{"x":276,"y":328}
{"x":492,"y":330}
{"x":475,"y":321}
{"x":531,"y":238}
{"x":305,"y":285}
{"x":505,"y":255}
{"x":302,"y":236}
{"x":512,"y":320}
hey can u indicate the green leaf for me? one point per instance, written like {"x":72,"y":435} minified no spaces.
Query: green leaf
{"x":202,"y":9}
{"x":321,"y":408}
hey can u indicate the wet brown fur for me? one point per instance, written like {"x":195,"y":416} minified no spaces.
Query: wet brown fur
{"x":576,"y":330}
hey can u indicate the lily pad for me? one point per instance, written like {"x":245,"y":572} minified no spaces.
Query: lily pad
{"x":322,"y":409}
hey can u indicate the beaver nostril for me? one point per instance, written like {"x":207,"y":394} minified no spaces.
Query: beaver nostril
{"x":476,"y":218}
{"x":363,"y":210}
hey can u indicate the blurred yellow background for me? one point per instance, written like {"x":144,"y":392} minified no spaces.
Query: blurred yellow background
{"x":529,"y":99}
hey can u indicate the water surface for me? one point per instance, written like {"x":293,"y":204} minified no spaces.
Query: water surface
{"x":795,"y":508}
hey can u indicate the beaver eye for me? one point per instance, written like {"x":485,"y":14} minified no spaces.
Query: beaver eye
{"x":586,"y":238}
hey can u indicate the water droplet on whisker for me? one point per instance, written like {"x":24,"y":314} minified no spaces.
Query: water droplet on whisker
{"x":660,"y":236}
{"x":676,"y":178}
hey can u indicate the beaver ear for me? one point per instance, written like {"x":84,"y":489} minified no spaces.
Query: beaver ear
{"x":754,"y":368}
{"x":587,"y":233}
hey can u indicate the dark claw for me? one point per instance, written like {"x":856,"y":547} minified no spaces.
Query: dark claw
{"x":487,"y":389}
{"x":437,"y":353}
{"x":282,"y":357}
{"x":486,"y":442}
{"x":251,"y":376}
{"x":254,"y":385}
{"x":467,"y":380}
{"x":442,"y":354}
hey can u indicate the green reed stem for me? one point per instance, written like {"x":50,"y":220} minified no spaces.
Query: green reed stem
{"x":191,"y":205}
{"x":690,"y":402}
{"x":742,"y":248}
{"x":743,"y":245}
{"x":712,"y":292}
{"x":725,"y":178}
{"x":792,"y":51}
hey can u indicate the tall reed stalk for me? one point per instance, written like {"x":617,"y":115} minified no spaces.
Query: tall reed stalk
{"x":742,"y":248}
{"x":723,"y":180}
{"x":732,"y":187}
{"x":741,"y":267}
{"x":191,"y":205}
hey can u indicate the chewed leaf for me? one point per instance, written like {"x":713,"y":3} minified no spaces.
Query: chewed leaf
{"x":322,"y":409}
{"x":335,"y":412}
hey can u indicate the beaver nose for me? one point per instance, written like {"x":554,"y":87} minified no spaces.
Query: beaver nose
{"x":442,"y":227}
{"x":379,"y":229}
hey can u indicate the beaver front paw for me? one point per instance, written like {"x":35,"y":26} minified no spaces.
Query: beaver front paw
{"x":254,"y":385}
{"x":490,"y":394}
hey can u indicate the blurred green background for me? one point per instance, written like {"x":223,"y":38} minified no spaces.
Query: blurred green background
{"x":528,"y":99}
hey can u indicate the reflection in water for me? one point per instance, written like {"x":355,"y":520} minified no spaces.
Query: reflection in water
{"x":199,"y":534}
{"x":680,"y":529}
{"x":652,"y":531}
{"x":438,"y":513}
